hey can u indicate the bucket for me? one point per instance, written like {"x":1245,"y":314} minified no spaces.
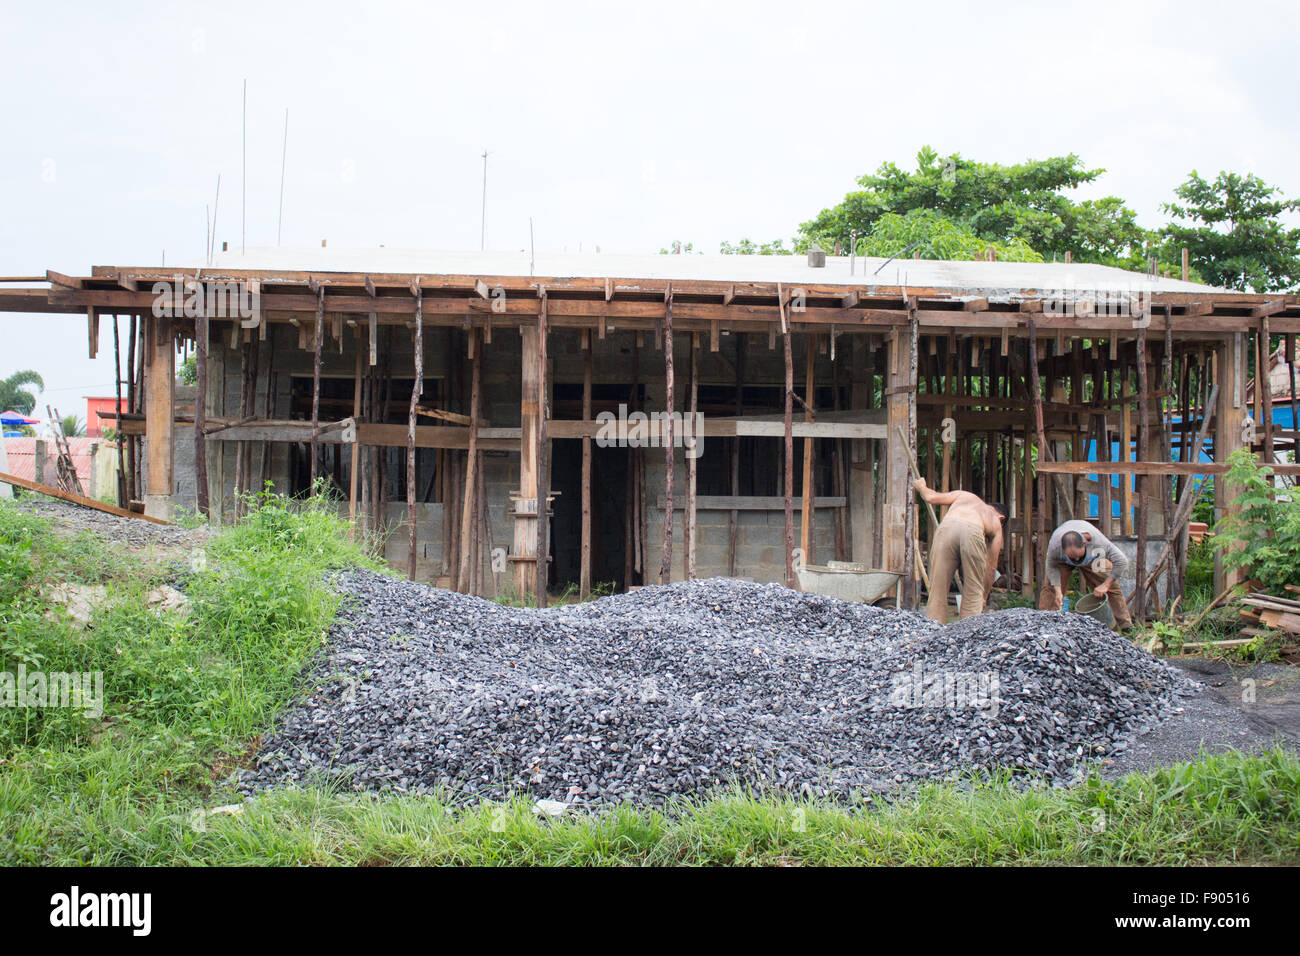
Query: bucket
{"x":1095,"y":607}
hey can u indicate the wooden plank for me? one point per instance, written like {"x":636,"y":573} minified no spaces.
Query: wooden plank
{"x":754,"y":502}
{"x":1149,"y":468}
{"x":76,"y":499}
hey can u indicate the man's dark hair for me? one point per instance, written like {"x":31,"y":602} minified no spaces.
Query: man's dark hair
{"x":1071,"y":539}
{"x":1000,"y":508}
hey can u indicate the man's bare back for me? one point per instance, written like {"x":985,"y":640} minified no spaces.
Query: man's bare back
{"x":969,"y":507}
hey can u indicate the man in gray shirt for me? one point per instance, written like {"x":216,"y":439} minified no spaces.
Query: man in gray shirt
{"x":1079,"y":546}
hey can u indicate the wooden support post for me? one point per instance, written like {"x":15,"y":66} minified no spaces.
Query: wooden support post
{"x":356,"y":416}
{"x":1040,"y":562}
{"x":692,"y":451}
{"x":898,"y":494}
{"x":1126,"y":453}
{"x":469,"y":520}
{"x":542,"y":567}
{"x":838,"y":480}
{"x":911,"y":517}
{"x":132,"y":485}
{"x":524,"y":549}
{"x":806,"y":518}
{"x":1143,"y":454}
{"x":584,"y":573}
{"x":665,"y":565}
{"x":1295,"y":418}
{"x":315,"y":383}
{"x":733,"y":521}
{"x":1228,"y":426}
{"x":159,"y":411}
{"x":417,"y":389}
{"x":1264,"y":388}
{"x":119,"y":438}
{"x":788,"y":477}
{"x":201,"y":493}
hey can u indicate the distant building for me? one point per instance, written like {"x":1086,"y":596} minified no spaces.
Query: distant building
{"x":95,"y":425}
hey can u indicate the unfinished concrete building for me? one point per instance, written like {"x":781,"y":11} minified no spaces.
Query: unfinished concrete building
{"x":442,"y":396}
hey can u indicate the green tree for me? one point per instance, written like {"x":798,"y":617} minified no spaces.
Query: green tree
{"x":1022,"y":203}
{"x":15,"y":396}
{"x":71,"y":426}
{"x":748,"y":247}
{"x":1232,"y":230}
{"x":935,"y":236}
{"x":187,"y":373}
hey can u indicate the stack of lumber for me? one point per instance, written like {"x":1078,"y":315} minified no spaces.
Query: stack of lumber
{"x":1271,"y":615}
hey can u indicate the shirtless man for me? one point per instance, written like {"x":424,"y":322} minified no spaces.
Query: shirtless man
{"x":969,"y":536}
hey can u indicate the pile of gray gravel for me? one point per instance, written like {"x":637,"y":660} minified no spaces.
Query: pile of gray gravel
{"x":132,"y":532}
{"x":677,"y":689}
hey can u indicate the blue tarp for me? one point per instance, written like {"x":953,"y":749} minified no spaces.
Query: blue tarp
{"x":1281,"y":417}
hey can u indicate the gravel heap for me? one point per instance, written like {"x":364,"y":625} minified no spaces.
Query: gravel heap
{"x":133,"y":532}
{"x":672,"y":690}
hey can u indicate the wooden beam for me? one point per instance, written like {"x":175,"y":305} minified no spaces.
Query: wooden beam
{"x":76,"y":499}
{"x":1150,"y":468}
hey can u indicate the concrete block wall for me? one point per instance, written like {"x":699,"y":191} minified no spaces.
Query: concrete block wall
{"x":760,"y":540}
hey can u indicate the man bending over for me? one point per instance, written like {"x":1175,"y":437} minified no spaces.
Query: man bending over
{"x":970,"y":538}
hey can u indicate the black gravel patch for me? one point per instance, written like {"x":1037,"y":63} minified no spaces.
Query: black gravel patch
{"x":679,"y":689}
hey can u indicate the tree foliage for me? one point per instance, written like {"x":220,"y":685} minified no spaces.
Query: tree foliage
{"x":934,"y":236}
{"x":1262,"y":535}
{"x":71,"y":426}
{"x":748,"y":247}
{"x":1232,"y":230}
{"x":16,"y":396}
{"x":1023,"y":203}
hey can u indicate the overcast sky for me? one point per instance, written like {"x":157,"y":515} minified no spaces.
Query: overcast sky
{"x":615,"y":126}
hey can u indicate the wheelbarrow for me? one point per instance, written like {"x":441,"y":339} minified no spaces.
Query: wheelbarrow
{"x":847,"y":581}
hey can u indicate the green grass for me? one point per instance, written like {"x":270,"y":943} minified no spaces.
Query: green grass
{"x":187,"y":695}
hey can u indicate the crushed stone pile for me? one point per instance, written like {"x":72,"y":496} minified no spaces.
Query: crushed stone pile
{"x":677,"y":689}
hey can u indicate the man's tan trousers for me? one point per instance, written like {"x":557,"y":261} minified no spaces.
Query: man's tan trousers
{"x":957,"y":544}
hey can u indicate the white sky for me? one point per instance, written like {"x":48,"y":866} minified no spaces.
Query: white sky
{"x":618,"y":126}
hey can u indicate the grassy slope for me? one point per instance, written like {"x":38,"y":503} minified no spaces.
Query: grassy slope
{"x":186,"y":697}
